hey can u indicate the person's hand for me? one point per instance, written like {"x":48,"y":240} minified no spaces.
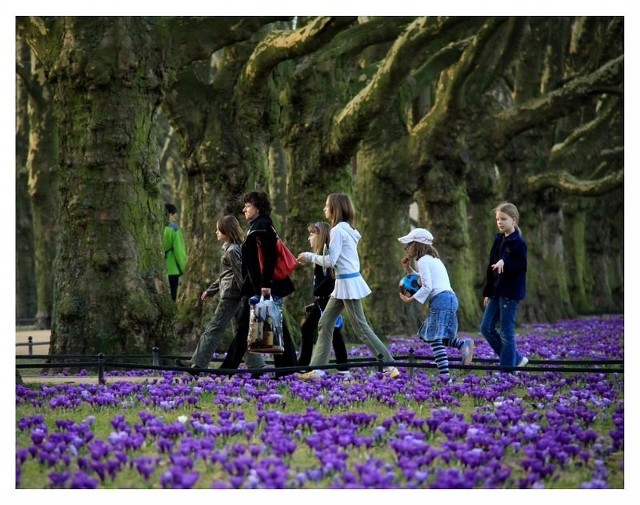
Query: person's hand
{"x":204,"y":296}
{"x":405,"y":298}
{"x":301,"y":259}
{"x":485,"y":302}
{"x":498,"y":266}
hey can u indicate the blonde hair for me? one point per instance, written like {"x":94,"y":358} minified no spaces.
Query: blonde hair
{"x":510,"y":210}
{"x":416,"y":250}
{"x":229,"y":226}
{"x":323,"y":230}
{"x":341,"y":208}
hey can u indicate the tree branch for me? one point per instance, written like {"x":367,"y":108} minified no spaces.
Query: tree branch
{"x":560,"y":102}
{"x":407,"y":53}
{"x":281,"y":46}
{"x":570,"y":184}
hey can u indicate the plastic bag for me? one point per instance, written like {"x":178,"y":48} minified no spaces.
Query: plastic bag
{"x":265,"y":326}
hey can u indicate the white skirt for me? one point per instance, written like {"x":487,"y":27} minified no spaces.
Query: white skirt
{"x":351,"y":288}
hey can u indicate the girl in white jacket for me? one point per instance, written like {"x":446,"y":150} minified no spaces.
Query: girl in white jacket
{"x":349,"y":289}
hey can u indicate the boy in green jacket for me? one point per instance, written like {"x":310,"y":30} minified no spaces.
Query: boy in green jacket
{"x":175,"y":255}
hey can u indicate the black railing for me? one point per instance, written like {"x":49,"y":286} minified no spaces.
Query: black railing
{"x":411,"y":362}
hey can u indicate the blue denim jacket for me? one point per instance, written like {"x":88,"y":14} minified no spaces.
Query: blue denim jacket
{"x":512,"y":282}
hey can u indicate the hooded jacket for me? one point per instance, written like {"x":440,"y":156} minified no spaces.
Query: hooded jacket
{"x":343,"y":258}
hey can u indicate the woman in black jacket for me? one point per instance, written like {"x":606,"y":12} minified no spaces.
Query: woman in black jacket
{"x":259,"y":281}
{"x":323,"y":284}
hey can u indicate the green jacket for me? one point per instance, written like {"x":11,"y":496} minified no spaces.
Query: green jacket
{"x":175,"y":254}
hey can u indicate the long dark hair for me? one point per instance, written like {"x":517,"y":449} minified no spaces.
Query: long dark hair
{"x":341,"y":208}
{"x":229,"y":226}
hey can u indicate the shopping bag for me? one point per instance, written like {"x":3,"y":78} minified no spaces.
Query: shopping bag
{"x":265,"y":326}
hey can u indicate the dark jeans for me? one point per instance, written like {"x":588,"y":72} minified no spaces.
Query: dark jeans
{"x":308,"y":329}
{"x":501,"y":310}
{"x":238,"y":345}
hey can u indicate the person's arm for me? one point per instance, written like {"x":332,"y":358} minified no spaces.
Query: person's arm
{"x":328,"y":260}
{"x":267,"y":244}
{"x":179,"y":251}
{"x":235,"y":258}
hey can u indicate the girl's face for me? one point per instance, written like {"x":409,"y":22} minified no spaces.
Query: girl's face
{"x":221,"y":236}
{"x":506,"y":223}
{"x":313,"y":239}
{"x":250,"y":212}
{"x":327,"y":210}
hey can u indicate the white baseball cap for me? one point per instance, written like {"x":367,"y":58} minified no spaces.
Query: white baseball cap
{"x":420,"y":235}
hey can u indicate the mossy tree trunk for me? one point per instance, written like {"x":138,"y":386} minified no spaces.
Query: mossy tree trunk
{"x":109,"y":286}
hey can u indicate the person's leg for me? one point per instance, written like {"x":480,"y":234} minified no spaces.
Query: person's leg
{"x":307,"y":330}
{"x":326,"y":325}
{"x":508,"y":353}
{"x":362,"y":329}
{"x":442,"y":322}
{"x":214,"y":332}
{"x":288,"y":357}
{"x":173,"y":286}
{"x":340,"y":349}
{"x":440,"y":357}
{"x":488,"y":325}
{"x":238,"y":346}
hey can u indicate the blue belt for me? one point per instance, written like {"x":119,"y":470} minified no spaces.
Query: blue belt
{"x":347,"y":276}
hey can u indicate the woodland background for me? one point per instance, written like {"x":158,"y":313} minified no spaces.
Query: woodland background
{"x":425,"y":121}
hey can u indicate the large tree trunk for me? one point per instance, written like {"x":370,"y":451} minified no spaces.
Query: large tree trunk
{"x":42,"y":164}
{"x":110,"y":285}
{"x":25,"y":265}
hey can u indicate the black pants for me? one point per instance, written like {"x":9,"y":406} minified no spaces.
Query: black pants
{"x":173,"y":285}
{"x":308,"y":329}
{"x":238,"y":345}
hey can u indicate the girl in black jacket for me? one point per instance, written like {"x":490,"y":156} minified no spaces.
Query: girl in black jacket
{"x":505,"y":287}
{"x":323,"y":284}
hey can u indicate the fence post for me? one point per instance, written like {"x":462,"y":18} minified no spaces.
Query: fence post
{"x":30,"y":340}
{"x":380,"y":367}
{"x":412,"y":360}
{"x":101,"y":369}
{"x":156,"y":353}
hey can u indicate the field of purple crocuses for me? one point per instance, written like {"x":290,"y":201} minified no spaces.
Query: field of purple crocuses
{"x":484,"y":429}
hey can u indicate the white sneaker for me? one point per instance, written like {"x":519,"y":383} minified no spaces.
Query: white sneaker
{"x":467,"y":351}
{"x":312,"y":375}
{"x":523,"y":362}
{"x":392,"y":372}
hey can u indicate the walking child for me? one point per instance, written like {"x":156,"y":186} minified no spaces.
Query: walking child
{"x":440,"y":327}
{"x":227,"y":285}
{"x":350,"y":288}
{"x":323,"y":285}
{"x":505,"y":287}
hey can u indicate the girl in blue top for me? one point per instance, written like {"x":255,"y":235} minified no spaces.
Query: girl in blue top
{"x":505,"y":287}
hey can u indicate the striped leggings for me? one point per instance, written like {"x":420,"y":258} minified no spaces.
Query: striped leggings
{"x":440,"y":353}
